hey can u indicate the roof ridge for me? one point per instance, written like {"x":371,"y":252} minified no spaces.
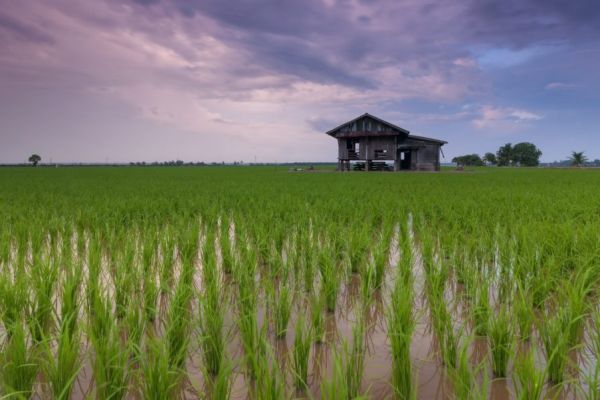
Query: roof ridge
{"x":366,"y":114}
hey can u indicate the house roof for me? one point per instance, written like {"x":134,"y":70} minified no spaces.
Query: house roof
{"x":370,"y":116}
{"x":376,"y":133}
{"x":426,"y":139}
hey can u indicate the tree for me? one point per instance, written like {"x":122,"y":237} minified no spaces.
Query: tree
{"x":526,"y":154}
{"x":490,"y":158}
{"x":523,"y":154}
{"x":578,"y":159}
{"x":468,"y":160}
{"x":35,"y":159}
{"x":504,"y":155}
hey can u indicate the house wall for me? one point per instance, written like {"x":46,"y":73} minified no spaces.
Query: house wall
{"x":425,"y":155}
{"x":384,"y":147}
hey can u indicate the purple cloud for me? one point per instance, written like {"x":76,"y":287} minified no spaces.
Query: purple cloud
{"x":251,"y":69}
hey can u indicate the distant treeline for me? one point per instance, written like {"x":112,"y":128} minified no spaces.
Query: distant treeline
{"x":176,"y":163}
{"x":523,"y":154}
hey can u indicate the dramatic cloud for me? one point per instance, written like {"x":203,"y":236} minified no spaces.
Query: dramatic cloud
{"x":234,"y":80}
{"x":503,"y":118}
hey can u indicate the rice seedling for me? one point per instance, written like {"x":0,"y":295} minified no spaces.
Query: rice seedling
{"x":221,"y":386}
{"x":317,"y":307}
{"x":212,"y":338}
{"x":177,"y":325}
{"x":554,"y":332}
{"x":523,"y":313}
{"x":330,"y":279}
{"x":380,"y":259}
{"x":469,"y":382}
{"x":151,"y":292}
{"x":355,"y":360}
{"x":501,"y":341}
{"x":270,"y":383}
{"x":589,"y":388}
{"x":60,"y":367}
{"x":335,"y":387}
{"x":529,"y":379}
{"x":40,"y":314}
{"x":227,"y":253}
{"x":13,"y":300}
{"x":300,"y":354}
{"x":401,"y":325}
{"x":281,"y":300}
{"x":481,"y":309}
{"x":251,"y":337}
{"x":19,"y":365}
{"x":111,"y":365}
{"x":158,"y":380}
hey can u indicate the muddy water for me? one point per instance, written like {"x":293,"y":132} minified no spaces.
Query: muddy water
{"x":430,"y":375}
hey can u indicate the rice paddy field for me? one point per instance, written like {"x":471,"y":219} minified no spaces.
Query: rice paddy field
{"x":260,"y":283}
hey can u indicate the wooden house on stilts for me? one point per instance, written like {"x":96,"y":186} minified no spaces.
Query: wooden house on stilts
{"x":371,"y":142}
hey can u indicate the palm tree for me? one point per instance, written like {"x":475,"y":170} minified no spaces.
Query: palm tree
{"x":578,"y":159}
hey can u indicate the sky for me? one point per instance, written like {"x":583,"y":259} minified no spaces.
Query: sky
{"x":246,"y":80}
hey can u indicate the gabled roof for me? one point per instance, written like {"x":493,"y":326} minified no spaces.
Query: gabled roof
{"x":370,"y":116}
{"x":376,"y":133}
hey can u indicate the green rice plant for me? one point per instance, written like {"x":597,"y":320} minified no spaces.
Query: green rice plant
{"x":227,"y":253}
{"x":19,"y":365}
{"x":166,"y":264}
{"x":358,"y":248}
{"x":554,"y":332}
{"x":221,"y":386}
{"x":212,"y":338}
{"x":464,"y":377}
{"x":270,"y":383}
{"x":523,"y":313}
{"x":300,"y":353}
{"x":122,"y":272}
{"x":501,"y":341}
{"x":336,"y":387}
{"x":589,"y":388}
{"x":330,"y":279}
{"x":529,"y":379}
{"x":158,"y":380}
{"x":355,"y":360}
{"x":43,"y":285}
{"x":111,"y":365}
{"x":317,"y":307}
{"x":594,"y":331}
{"x":151,"y":292}
{"x":380,"y":259}
{"x":69,"y":306}
{"x":444,"y":331}
{"x":251,"y":338}
{"x":308,"y":261}
{"x":177,"y":325}
{"x":13,"y":299}
{"x":576,"y":293}
{"x":135,"y":323}
{"x":401,"y":325}
{"x":481,"y":309}
{"x":61,"y":367}
{"x":367,"y":283}
{"x":436,"y":277}
{"x":281,"y":301}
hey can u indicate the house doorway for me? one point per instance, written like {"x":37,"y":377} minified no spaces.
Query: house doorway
{"x":405,"y":159}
